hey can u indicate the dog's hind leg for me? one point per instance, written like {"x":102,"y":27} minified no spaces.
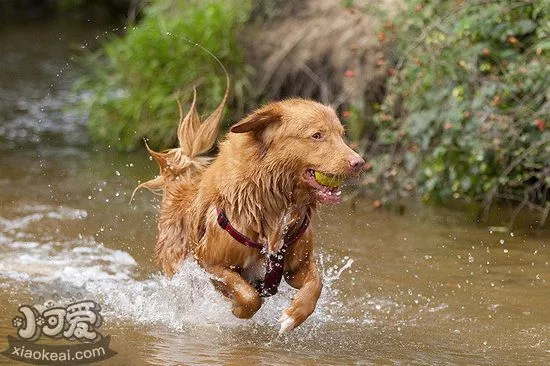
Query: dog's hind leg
{"x":246,"y":300}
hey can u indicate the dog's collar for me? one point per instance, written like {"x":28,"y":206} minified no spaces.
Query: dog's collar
{"x":275,"y":261}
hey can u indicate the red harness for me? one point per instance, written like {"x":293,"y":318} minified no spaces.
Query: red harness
{"x":275,"y":261}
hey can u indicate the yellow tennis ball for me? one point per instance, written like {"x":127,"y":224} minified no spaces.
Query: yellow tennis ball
{"x":330,"y":181}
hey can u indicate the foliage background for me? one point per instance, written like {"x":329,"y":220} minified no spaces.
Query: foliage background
{"x":467,"y":104}
{"x":136,"y":79}
{"x":461,"y":113}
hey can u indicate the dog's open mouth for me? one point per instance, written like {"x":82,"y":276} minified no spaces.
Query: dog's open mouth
{"x":326,"y":186}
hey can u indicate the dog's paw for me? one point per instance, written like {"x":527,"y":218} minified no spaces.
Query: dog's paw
{"x":287,"y":323}
{"x":295,"y":315}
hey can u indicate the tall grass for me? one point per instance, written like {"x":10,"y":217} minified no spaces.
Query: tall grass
{"x":136,"y":79}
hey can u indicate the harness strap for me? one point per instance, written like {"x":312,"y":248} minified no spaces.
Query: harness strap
{"x":224,"y":223}
{"x":275,"y":261}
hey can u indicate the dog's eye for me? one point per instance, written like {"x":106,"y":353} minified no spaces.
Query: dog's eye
{"x":317,"y":136}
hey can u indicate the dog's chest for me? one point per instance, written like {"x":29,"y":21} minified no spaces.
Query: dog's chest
{"x":254,"y":269}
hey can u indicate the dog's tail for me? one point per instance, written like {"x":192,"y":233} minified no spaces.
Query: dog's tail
{"x":180,"y":168}
{"x":185,"y":162}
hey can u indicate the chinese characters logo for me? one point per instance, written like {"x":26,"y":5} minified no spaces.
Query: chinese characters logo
{"x":70,"y":320}
{"x":78,"y":321}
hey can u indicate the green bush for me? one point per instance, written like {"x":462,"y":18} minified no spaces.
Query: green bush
{"x":466,"y":107}
{"x":136,"y":79}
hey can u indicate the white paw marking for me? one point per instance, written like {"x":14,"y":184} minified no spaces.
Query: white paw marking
{"x":287,"y":324}
{"x":283,"y":317}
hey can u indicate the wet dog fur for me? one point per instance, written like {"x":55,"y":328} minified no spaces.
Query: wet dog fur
{"x":263,"y":178}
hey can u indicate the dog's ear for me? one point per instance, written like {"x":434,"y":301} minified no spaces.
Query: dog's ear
{"x":258,"y":120}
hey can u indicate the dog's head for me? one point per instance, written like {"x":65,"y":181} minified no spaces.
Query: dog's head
{"x":306,"y":138}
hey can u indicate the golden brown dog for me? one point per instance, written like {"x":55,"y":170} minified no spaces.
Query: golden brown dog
{"x":272,"y":169}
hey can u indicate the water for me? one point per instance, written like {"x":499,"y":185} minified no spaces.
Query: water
{"x":429,"y":287}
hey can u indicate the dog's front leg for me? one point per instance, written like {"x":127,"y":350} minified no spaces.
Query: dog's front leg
{"x":306,"y":278}
{"x":246,"y":300}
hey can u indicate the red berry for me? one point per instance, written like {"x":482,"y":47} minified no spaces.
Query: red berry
{"x":540,"y":124}
{"x":349,"y":74}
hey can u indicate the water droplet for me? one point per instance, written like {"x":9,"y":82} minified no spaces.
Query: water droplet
{"x":117,"y":173}
{"x":501,"y":241}
{"x":505,"y":250}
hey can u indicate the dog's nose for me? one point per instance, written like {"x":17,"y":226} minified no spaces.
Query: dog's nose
{"x":356,"y":162}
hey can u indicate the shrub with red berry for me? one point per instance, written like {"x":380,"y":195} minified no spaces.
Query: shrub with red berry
{"x":467,"y":103}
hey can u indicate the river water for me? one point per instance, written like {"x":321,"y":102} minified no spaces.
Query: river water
{"x":427,"y":287}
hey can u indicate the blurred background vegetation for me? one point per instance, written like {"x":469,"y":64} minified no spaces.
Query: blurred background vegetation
{"x":138,"y":77}
{"x":467,"y":104}
{"x":448,"y":99}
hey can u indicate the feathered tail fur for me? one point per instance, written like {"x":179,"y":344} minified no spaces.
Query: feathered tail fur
{"x":180,"y":168}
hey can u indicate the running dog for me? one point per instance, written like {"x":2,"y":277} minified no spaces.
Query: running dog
{"x":244,"y":215}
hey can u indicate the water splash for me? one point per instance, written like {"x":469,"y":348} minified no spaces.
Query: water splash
{"x":83,"y":268}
